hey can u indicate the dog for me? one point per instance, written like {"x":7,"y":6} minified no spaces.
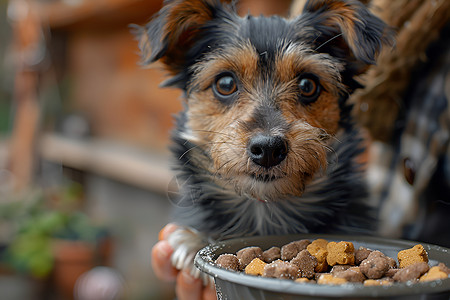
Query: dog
{"x":266,"y":143}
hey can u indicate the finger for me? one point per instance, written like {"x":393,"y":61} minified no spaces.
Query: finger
{"x":166,"y":231}
{"x":162,"y":266}
{"x":209,"y":292}
{"x":188,"y":287}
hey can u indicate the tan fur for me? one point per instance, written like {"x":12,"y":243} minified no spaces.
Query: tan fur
{"x":220,"y":129}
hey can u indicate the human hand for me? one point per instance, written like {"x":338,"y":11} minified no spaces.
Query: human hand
{"x":187,"y":286}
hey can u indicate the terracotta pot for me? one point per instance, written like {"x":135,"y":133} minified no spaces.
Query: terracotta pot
{"x":72,"y":259}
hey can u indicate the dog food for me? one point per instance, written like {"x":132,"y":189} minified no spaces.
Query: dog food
{"x":435,"y":273}
{"x":352,"y":274}
{"x":281,"y":269}
{"x":318,"y":249}
{"x":330,"y":279}
{"x":334,"y":263}
{"x":342,"y":253}
{"x":411,"y":272}
{"x":306,"y":264}
{"x":375,"y":265}
{"x":378,"y":282}
{"x":272,"y":254}
{"x":361,"y":254}
{"x":255,"y":267}
{"x":229,"y":261}
{"x":289,"y":251}
{"x":412,"y":256}
{"x":246,"y":255}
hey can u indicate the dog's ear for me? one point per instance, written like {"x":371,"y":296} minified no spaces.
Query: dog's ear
{"x":174,"y":29}
{"x":347,"y":30}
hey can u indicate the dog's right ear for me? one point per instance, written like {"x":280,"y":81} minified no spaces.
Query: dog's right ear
{"x":173,"y":31}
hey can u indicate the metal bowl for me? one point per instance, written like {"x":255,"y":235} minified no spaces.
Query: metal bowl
{"x":234,"y":285}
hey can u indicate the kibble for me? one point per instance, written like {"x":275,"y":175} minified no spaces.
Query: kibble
{"x":352,"y":274}
{"x":272,"y":254}
{"x":318,"y":249}
{"x":334,"y":263}
{"x":342,"y":253}
{"x":411,"y":272}
{"x":438,"y":272}
{"x":281,"y":269}
{"x":228,"y":261}
{"x":246,"y":255}
{"x":255,"y":267}
{"x":306,"y":264}
{"x":289,"y":251}
{"x":412,"y":256}
{"x":375,"y":265}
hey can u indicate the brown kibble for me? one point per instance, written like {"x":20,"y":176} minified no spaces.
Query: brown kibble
{"x":435,"y":273}
{"x":391,"y":272}
{"x":228,"y":261}
{"x":412,"y":256}
{"x":361,"y":254}
{"x":281,"y":269}
{"x":391,"y":262}
{"x":341,"y":253}
{"x":318,"y":249}
{"x":289,"y":251}
{"x":246,"y":255}
{"x":411,"y":272}
{"x":255,"y":267}
{"x":306,"y":263}
{"x":330,"y":279}
{"x":377,"y":282}
{"x":444,"y":268}
{"x":352,"y":274}
{"x":375,"y":265}
{"x":339,"y":268}
{"x":271,"y":254}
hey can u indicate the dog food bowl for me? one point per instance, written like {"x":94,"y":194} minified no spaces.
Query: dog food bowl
{"x":235,"y":285}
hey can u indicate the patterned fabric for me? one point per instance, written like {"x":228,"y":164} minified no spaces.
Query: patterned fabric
{"x":410,"y":178}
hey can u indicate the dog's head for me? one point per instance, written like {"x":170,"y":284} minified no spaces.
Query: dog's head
{"x":264,"y":94}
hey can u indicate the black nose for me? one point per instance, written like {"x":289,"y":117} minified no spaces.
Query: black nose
{"x":267,"y":151}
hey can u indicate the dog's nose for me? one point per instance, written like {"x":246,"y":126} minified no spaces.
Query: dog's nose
{"x":267,"y":151}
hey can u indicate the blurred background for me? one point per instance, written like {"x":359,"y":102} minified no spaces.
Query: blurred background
{"x":84,"y":161}
{"x":84,"y":135}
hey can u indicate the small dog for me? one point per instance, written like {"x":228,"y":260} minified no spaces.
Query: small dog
{"x":266,"y":143}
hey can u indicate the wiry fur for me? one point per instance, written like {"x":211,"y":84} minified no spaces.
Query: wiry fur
{"x":318,"y":187}
{"x":333,"y":202}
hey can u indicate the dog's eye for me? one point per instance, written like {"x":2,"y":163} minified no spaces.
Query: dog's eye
{"x":225,"y":86}
{"x":309,"y":88}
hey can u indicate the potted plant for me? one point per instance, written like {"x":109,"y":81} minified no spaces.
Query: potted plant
{"x":53,"y":236}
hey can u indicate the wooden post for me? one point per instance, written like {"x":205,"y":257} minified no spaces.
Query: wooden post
{"x":26,"y":41}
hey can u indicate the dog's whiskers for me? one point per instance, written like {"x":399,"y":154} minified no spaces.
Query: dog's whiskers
{"x":327,"y":41}
{"x":202,"y":145}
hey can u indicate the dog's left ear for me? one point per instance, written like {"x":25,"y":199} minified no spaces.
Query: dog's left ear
{"x":174,"y":30}
{"x":347,"y":30}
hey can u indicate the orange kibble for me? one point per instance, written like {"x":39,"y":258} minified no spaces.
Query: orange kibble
{"x":330,"y":279}
{"x":255,"y":267}
{"x":435,"y":273}
{"x":342,"y":253}
{"x":412,"y":256}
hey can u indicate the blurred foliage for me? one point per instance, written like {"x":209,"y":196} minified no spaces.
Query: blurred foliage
{"x":6,"y":79}
{"x":36,"y":220}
